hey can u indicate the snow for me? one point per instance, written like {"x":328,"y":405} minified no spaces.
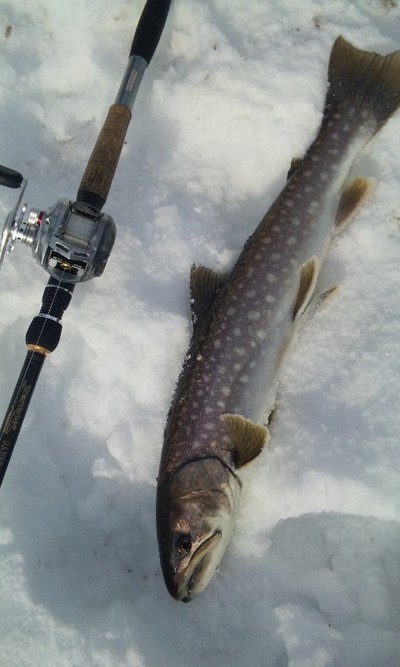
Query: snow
{"x":312,"y":575}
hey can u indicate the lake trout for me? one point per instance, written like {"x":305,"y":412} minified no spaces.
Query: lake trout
{"x":244,"y":321}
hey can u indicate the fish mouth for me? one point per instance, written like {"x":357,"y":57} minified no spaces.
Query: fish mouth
{"x":196,"y":573}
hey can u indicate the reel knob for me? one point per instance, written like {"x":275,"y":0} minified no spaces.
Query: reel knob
{"x":11,"y":179}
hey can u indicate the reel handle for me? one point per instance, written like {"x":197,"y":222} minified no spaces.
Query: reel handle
{"x":10,"y":178}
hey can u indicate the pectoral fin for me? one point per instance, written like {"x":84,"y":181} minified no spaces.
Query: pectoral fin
{"x":204,"y":287}
{"x":308,"y":278}
{"x":351,"y":200}
{"x":248,"y":438}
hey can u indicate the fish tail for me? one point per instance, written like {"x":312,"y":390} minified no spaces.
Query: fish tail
{"x":364,"y":79}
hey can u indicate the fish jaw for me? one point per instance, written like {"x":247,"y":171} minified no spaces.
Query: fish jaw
{"x":196,"y":510}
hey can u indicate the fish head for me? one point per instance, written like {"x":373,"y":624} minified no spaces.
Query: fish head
{"x":195,"y":515}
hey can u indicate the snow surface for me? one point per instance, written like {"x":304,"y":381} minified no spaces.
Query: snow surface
{"x":312,"y":575}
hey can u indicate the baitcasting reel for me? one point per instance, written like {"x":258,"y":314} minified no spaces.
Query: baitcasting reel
{"x":71,"y":240}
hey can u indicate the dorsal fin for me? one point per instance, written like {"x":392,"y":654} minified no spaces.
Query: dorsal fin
{"x":204,"y":287}
{"x":352,"y":197}
{"x":248,"y":438}
{"x":308,"y":278}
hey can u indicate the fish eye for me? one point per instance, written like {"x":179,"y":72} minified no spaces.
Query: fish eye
{"x":183,"y":544}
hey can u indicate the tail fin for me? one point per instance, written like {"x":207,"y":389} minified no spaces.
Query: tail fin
{"x":363,"y":77}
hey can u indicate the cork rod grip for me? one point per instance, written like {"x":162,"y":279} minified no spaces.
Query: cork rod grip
{"x":100,"y":170}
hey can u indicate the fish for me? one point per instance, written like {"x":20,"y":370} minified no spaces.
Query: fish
{"x":244,"y":322}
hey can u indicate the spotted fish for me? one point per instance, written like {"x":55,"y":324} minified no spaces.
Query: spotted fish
{"x":244,"y":321}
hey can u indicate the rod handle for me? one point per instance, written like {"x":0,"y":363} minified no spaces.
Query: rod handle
{"x":149,"y":29}
{"x":99,"y":173}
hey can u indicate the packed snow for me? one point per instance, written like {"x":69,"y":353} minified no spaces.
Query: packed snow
{"x":311,"y":577}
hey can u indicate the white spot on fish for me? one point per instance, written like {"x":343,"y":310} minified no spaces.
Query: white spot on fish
{"x":295,"y":222}
{"x":308,"y":189}
{"x":209,"y":426}
{"x":249,"y":272}
{"x":275,"y":256}
{"x":261,"y":334}
{"x":276,"y":228}
{"x":231,"y":311}
{"x":237,"y":367}
{"x":271,"y":278}
{"x":208,"y":410}
{"x":221,"y":370}
{"x":237,"y":331}
{"x":289,"y":203}
{"x":292,"y":240}
{"x":307,"y":173}
{"x":221,"y":404}
{"x":241,"y":351}
{"x":253,"y":315}
{"x":346,"y":128}
{"x":269,"y":298}
{"x":217,"y":344}
{"x":245,"y":379}
{"x":333,"y":151}
{"x":323,"y":176}
{"x":334,"y":136}
{"x":250,"y":293}
{"x":315,"y":158}
{"x":200,"y":392}
{"x":225,"y":391}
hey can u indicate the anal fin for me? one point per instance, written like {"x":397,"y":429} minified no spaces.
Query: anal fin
{"x":318,"y":301}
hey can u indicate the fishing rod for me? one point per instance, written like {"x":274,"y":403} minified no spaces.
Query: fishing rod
{"x":72,"y":240}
